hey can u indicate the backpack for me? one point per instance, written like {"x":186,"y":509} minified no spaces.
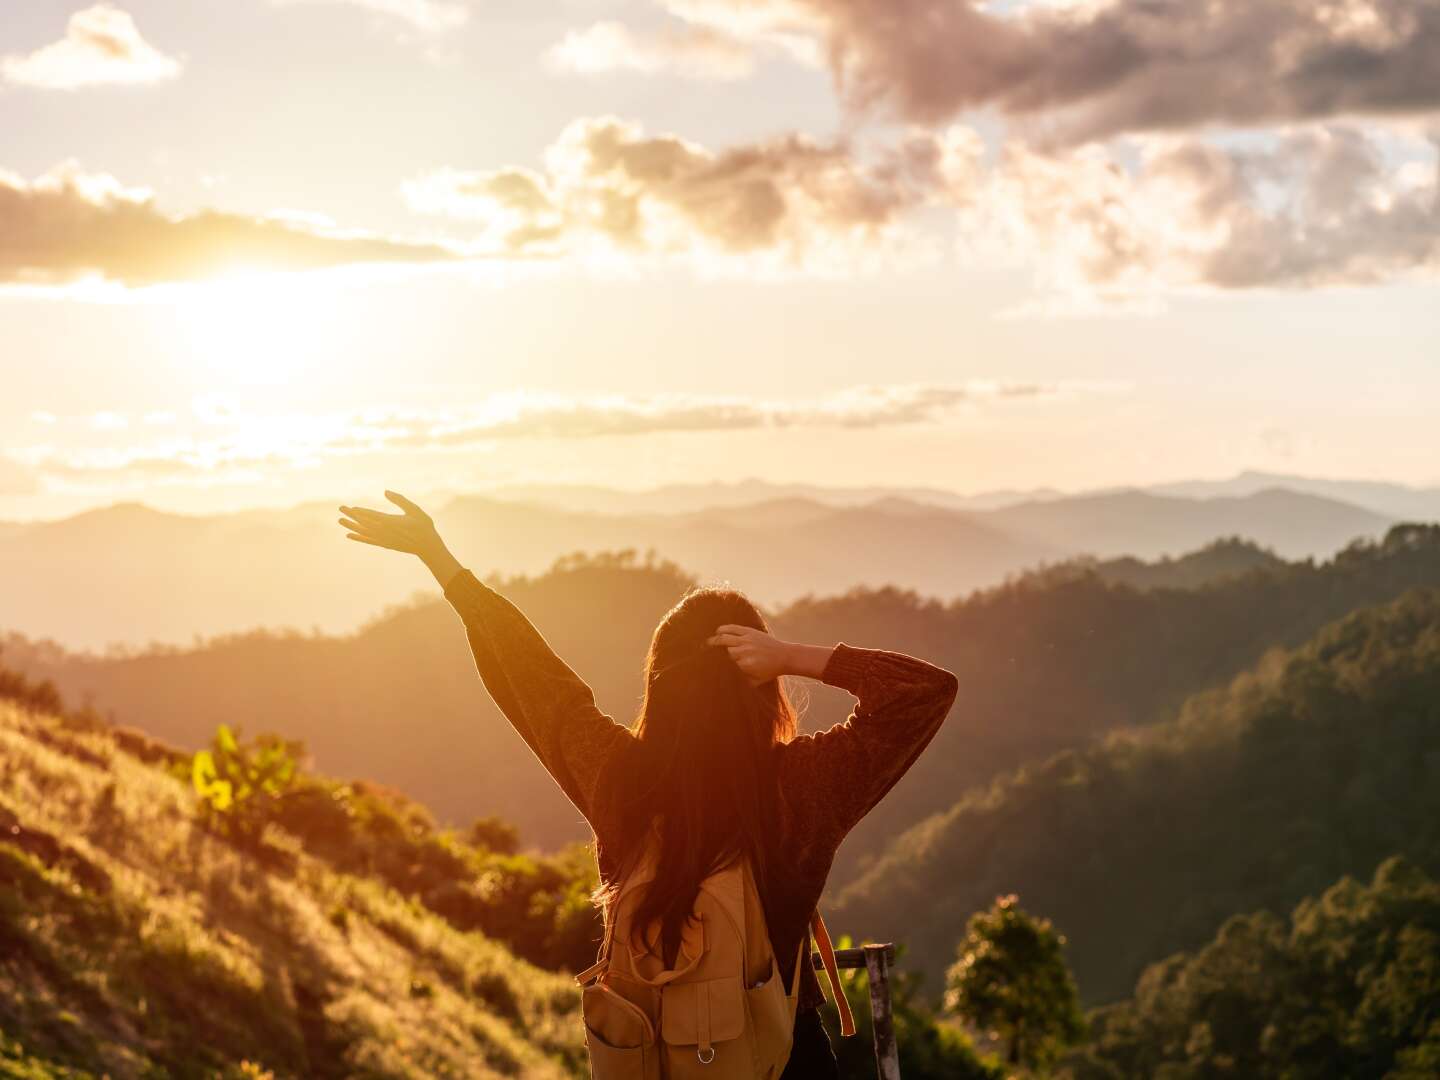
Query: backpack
{"x":721,"y":1013}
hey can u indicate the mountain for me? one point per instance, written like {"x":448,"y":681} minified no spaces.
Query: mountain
{"x":685,"y":498}
{"x":129,"y":574}
{"x":137,"y":939}
{"x":1212,"y":563}
{"x":1316,"y":763}
{"x":1138,"y":523}
{"x":1047,"y":662}
{"x":1392,"y":500}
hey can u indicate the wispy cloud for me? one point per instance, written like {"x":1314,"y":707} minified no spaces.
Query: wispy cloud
{"x":68,"y":225}
{"x":428,"y":16}
{"x":102,"y":47}
{"x":251,"y":442}
{"x":695,"y":52}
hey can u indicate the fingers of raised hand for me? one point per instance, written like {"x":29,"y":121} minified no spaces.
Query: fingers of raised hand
{"x":405,"y":504}
{"x":362,"y":513}
{"x":730,"y":634}
{"x":370,"y":540}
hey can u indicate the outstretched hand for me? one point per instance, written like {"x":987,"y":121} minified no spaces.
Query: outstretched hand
{"x":760,"y":656}
{"x":411,"y":531}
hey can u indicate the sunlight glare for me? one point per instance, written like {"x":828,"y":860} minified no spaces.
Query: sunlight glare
{"x":261,"y":328}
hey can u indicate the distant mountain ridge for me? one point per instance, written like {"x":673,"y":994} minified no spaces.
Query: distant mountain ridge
{"x":100,"y":576}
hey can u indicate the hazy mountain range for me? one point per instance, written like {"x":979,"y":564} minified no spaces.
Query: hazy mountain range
{"x":131,"y":574}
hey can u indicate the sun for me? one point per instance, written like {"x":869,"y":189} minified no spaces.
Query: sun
{"x":263,"y":328}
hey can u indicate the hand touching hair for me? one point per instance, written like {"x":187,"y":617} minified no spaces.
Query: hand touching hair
{"x":760,"y":656}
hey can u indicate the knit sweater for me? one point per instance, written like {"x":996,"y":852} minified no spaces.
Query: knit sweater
{"x":828,"y":780}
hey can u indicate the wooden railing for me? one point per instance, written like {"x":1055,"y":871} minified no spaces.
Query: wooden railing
{"x":876,"y":960}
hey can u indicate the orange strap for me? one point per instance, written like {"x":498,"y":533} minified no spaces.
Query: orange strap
{"x":832,"y":972}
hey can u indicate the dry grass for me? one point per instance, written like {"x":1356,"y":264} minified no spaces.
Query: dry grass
{"x":135,"y":943}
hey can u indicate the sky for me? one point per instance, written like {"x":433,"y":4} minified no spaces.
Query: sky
{"x":255,"y":252}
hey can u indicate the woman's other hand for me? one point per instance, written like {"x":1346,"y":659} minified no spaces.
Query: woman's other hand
{"x":760,"y":656}
{"x":411,"y":531}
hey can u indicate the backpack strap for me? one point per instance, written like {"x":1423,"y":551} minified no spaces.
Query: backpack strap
{"x":832,"y":972}
{"x":605,"y":947}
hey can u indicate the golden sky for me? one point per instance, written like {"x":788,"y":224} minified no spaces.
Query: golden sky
{"x":258,"y":251}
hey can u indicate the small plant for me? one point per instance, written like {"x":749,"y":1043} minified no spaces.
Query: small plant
{"x":238,"y":786}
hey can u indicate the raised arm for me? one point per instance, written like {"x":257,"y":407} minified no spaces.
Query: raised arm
{"x":848,"y":768}
{"x":547,"y":703}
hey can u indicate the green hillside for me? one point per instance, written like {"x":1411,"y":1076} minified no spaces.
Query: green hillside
{"x":1348,"y":986}
{"x":1320,"y":762}
{"x":136,"y":942}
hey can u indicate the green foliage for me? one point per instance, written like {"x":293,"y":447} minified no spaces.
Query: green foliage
{"x":929,"y":1047}
{"x":1320,"y":762}
{"x":1011,"y":981}
{"x":1348,"y":988}
{"x":239,"y":785}
{"x":493,"y":834}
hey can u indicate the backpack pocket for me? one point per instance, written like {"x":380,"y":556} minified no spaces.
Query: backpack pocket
{"x":772,"y":1023}
{"x":619,"y":1037}
{"x":700,"y":1021}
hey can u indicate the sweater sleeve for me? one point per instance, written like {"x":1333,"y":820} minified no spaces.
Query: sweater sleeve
{"x":834,"y":778}
{"x":547,"y":703}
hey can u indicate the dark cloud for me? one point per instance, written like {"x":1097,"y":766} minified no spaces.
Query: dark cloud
{"x":606,"y":179}
{"x":68,"y":225}
{"x":1314,"y":207}
{"x":1137,"y":65}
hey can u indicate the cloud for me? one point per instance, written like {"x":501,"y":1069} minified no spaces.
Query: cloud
{"x":1091,"y":71}
{"x":101,"y":47}
{"x":696,"y":52}
{"x":253,"y":442}
{"x":1317,"y":206}
{"x":608,"y":184}
{"x":429,"y":16}
{"x":68,"y":225}
{"x":552,"y":416}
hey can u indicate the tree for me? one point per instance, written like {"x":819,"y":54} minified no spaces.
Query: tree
{"x":1011,"y":981}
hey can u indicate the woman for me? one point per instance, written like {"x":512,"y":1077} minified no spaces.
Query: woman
{"x":724,"y":771}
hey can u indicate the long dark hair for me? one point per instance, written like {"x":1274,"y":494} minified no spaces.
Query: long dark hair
{"x":703,"y":773}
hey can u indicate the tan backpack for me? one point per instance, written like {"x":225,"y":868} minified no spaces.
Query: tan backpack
{"x":721,"y":1012}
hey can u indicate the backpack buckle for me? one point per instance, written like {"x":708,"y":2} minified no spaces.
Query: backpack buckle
{"x":700,"y":1054}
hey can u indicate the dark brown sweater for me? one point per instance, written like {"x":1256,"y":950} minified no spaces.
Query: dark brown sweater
{"x":828,"y":780}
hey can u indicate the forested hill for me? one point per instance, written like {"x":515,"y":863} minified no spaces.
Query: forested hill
{"x":1347,"y":986}
{"x":327,"y":932}
{"x":1318,"y":763}
{"x":1046,"y":662}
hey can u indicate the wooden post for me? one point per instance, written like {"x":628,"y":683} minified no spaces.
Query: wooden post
{"x":876,"y":960}
{"x":887,"y":1056}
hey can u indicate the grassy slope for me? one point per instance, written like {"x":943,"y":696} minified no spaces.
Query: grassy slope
{"x":135,"y":943}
